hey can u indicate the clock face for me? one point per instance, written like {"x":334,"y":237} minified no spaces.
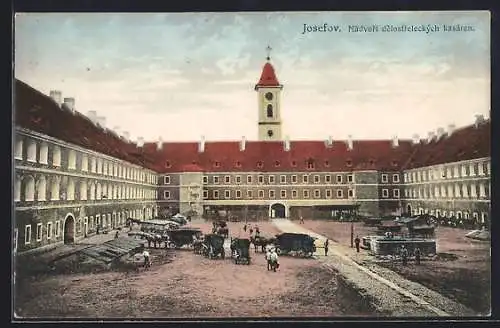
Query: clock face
{"x":269,"y":96}
{"x":270,"y":133}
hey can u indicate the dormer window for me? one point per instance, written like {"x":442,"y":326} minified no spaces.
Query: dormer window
{"x":168,"y":164}
{"x":260,"y":164}
{"x":238,"y":164}
{"x":277,"y":163}
{"x":327,"y":164}
{"x":371,"y":162}
{"x":394,"y":163}
{"x":348,"y":163}
{"x":310,"y":164}
{"x":217,"y":164}
{"x":294,"y":163}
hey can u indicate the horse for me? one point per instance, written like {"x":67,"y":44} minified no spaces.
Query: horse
{"x":261,"y":241}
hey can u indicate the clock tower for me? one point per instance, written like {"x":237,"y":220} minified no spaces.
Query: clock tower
{"x":269,"y":93}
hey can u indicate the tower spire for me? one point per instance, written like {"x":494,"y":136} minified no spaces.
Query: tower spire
{"x":268,"y":50}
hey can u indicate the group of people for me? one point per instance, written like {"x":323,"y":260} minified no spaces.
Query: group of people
{"x":404,"y":253}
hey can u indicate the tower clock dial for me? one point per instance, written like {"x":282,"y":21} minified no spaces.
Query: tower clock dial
{"x":270,"y":133}
{"x":269,"y":96}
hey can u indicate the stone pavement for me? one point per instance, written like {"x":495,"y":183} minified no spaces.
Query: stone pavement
{"x":392,"y":294}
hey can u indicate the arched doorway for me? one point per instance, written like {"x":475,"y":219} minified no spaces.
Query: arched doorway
{"x":69,"y":229}
{"x":278,"y":210}
{"x":408,"y":209}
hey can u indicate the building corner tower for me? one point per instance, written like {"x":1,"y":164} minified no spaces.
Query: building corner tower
{"x":269,"y":93}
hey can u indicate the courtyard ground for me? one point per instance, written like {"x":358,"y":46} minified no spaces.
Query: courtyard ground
{"x":461,"y":271}
{"x":182,"y":284}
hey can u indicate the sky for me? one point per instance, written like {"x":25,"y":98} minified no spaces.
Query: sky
{"x":181,"y":76}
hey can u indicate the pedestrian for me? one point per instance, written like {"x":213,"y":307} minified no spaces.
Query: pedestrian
{"x":326,"y":247}
{"x":356,"y":242}
{"x":147,"y":263}
{"x":274,"y":258}
{"x":301,"y":220}
{"x":98,"y":229}
{"x":245,"y":227}
{"x":116,"y":234}
{"x":418,"y":253}
{"x":268,"y":258}
{"x":404,"y":254}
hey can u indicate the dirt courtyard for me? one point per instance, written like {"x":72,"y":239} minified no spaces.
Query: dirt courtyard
{"x":185,"y":285}
{"x":461,"y":271}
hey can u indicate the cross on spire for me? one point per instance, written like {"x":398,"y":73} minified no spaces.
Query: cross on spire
{"x":268,"y":49}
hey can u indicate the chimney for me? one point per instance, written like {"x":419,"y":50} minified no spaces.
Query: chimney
{"x":395,"y":141}
{"x":56,"y":96}
{"x":440,"y":132}
{"x":243,"y":143}
{"x":479,"y":120}
{"x":92,"y":115}
{"x":70,"y":103}
{"x":101,"y":120}
{"x":159,"y":143}
{"x":451,"y":128}
{"x":349,"y":142}
{"x":140,"y":141}
{"x":329,"y":141}
{"x":286,"y":144}
{"x":416,"y":139}
{"x":201,"y":145}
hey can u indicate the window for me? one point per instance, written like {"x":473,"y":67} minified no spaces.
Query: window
{"x":328,"y":179}
{"x":488,"y":168}
{"x":384,"y":178}
{"x":436,"y":192}
{"x":49,"y":230}
{"x":44,"y":153}
{"x":238,"y":179}
{"x":385,"y":193}
{"x":464,"y":171}
{"x":238,"y":193}
{"x":340,"y":193}
{"x":166,"y":194}
{"x":237,"y":164}
{"x":99,"y":167}
{"x":261,"y":193}
{"x":348,"y":163}
{"x":405,"y":177}
{"x":472,"y":169}
{"x":39,"y":230}
{"x":216,"y":194}
{"x":93,"y":165}
{"x":217,"y":164}
{"x":42,"y":188}
{"x":57,"y":231}
{"x":455,"y":171}
{"x":31,"y":151}
{"x":473,"y":191}
{"x":310,"y":164}
{"x":294,"y":163}
{"x":260,"y":164}
{"x":350,"y":193}
{"x":424,"y":176}
{"x":29,"y":192}
{"x":350,"y":178}
{"x":482,"y":190}
{"x":216,"y":180}
{"x":27,"y":234}
{"x":249,"y":179}
{"x":294,"y":193}
{"x":395,"y":193}
{"x":328,"y":193}
{"x":317,"y":193}
{"x":261,"y":179}
{"x":305,"y":178}
{"x":465,"y":191}
{"x":249,"y":194}
{"x":227,"y":194}
{"x":271,"y":194}
{"x":269,"y":110}
{"x":316,"y":179}
{"x":205,"y":180}
{"x":327,"y":164}
{"x":17,"y":189}
{"x":16,"y":236}
{"x":271,"y":179}
{"x":105,"y":168}
{"x":277,"y":163}
{"x":305,"y":193}
{"x":443,"y":191}
{"x":294,"y":179}
{"x":339,"y":178}
{"x":480,"y":168}
{"x":72,"y":160}
{"x":227,"y":179}
{"x":283,"y":179}
{"x":19,"y":150}
{"x":283,"y":194}
{"x":457,"y":191}
{"x":166,"y":179}
{"x":85,"y":163}
{"x":395,"y":178}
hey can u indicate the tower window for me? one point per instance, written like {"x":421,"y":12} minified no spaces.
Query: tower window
{"x":270,"y":133}
{"x":270,"y":110}
{"x":269,"y":96}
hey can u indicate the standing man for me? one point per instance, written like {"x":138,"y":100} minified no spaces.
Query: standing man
{"x":268,"y":258}
{"x":245,"y":227}
{"x":404,"y":254}
{"x":147,"y":264}
{"x":301,"y":220}
{"x":274,"y":258}
{"x":326,"y":247}
{"x":356,"y":242}
{"x":418,"y":253}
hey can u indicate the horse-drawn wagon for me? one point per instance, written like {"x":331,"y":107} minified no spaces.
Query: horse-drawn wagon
{"x":213,"y":246}
{"x":182,"y":237}
{"x":240,"y":250}
{"x":298,"y":243}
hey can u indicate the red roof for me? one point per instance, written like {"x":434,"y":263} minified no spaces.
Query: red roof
{"x":268,"y":77}
{"x":38,"y":112}
{"x":473,"y":141}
